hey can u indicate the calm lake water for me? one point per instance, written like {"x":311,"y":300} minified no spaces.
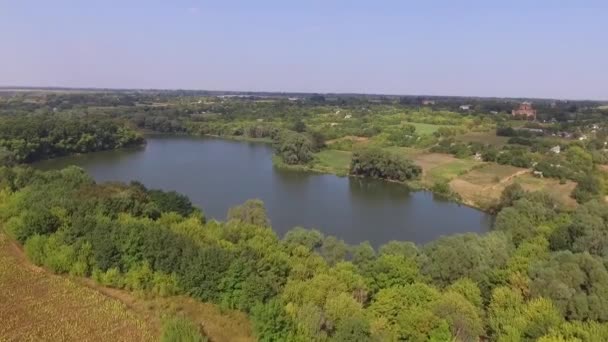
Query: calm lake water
{"x":218,"y":174}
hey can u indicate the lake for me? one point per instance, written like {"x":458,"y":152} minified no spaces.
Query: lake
{"x":218,"y":174}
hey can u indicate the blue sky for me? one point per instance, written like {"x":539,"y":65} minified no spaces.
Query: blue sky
{"x":533,"y":48}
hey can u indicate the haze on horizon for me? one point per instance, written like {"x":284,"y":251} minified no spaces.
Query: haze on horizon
{"x":548,"y":49}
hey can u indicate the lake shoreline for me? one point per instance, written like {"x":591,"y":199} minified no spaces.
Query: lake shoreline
{"x":413,"y":185}
{"x":218,"y":174}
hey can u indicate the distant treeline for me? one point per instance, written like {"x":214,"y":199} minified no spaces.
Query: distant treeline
{"x":32,"y":138}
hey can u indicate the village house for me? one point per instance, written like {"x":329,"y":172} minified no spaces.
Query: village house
{"x":428,"y":102}
{"x":525,"y":110}
{"x":465,"y":107}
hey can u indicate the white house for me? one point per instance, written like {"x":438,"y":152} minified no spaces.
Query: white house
{"x":465,"y":107}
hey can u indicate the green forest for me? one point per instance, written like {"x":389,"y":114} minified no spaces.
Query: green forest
{"x":29,"y":139}
{"x":539,"y":275}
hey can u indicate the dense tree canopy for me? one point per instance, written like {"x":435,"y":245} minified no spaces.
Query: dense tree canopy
{"x":27,"y":139}
{"x":377,"y":163}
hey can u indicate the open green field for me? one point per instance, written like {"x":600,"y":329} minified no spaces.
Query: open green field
{"x":425,"y":129}
{"x":488,"y":137}
{"x":450,"y":170}
{"x":333,"y":161}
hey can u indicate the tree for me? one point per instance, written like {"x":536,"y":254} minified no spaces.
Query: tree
{"x":352,"y":329}
{"x":579,"y":159}
{"x":391,"y":270}
{"x":294,"y":148}
{"x":362,"y":254}
{"x":469,"y":290}
{"x":577,"y":284}
{"x":377,"y":163}
{"x":408,"y":312}
{"x":311,"y":239}
{"x":171,"y":201}
{"x":333,"y":250}
{"x":589,"y":187}
{"x":510,"y":318}
{"x":510,"y":194}
{"x":270,"y":322}
{"x":251,"y":212}
{"x":461,"y":315}
{"x":586,"y":232}
{"x":403,"y":248}
{"x":448,"y":259}
{"x":341,"y":307}
{"x":299,"y":126}
{"x":524,"y":219}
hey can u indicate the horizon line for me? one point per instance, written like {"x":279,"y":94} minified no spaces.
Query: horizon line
{"x":94,"y":88}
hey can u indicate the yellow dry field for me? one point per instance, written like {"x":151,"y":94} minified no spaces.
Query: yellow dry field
{"x":36,"y":305}
{"x":428,"y":161}
{"x":483,"y":186}
{"x":560,"y":192}
{"x":219,"y":325}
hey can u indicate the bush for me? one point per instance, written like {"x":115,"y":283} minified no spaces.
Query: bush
{"x":442,"y":188}
{"x":588,"y":188}
{"x":179,"y":329}
{"x":34,"y":249}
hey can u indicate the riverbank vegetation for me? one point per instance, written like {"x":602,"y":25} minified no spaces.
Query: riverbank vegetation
{"x":377,"y":163}
{"x":539,"y":274}
{"x":449,"y":138}
{"x":29,"y":139}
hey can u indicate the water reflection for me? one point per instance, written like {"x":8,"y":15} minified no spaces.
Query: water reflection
{"x":218,"y":174}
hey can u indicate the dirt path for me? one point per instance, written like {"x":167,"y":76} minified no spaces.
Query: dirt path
{"x":505,"y":180}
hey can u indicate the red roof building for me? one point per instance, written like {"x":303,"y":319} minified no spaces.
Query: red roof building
{"x":525,"y":110}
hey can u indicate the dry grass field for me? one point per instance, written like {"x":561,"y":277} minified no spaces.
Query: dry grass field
{"x":38,"y":306}
{"x":441,"y":167}
{"x":492,"y":174}
{"x":553,"y":187}
{"x":483,"y":186}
